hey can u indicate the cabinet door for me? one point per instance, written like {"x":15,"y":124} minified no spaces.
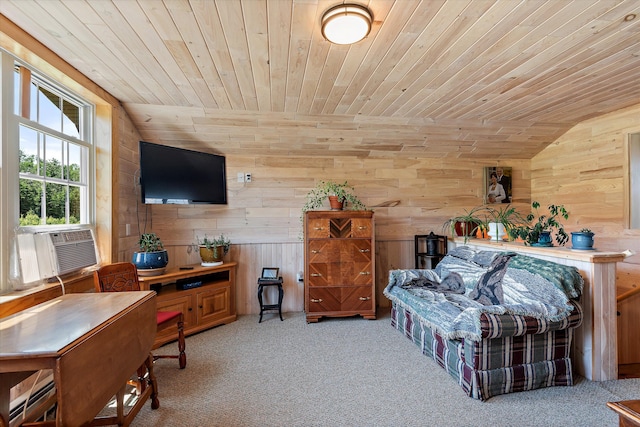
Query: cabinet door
{"x":178,"y":303}
{"x":213,"y":305}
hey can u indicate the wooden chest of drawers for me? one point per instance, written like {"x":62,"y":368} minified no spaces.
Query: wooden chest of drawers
{"x":339,"y":264}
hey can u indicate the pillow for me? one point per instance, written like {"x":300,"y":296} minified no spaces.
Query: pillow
{"x":488,"y":290}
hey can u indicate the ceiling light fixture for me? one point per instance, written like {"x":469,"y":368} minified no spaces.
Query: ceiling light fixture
{"x":346,"y":23}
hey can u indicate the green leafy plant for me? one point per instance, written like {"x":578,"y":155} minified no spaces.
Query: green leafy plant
{"x":150,"y":242}
{"x":343,"y":191}
{"x":586,"y":230}
{"x":470,"y":221}
{"x":537,"y":223}
{"x":507,"y":215}
{"x":215,"y":243}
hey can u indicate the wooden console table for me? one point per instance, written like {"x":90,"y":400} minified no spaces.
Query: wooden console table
{"x":596,"y":340}
{"x":211,"y":302}
{"x":93,"y":342}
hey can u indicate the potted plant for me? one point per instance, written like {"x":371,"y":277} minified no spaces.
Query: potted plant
{"x":213,"y":250}
{"x":582,"y":240}
{"x":502,"y":220}
{"x":538,"y":228}
{"x":152,"y":258}
{"x":466,"y":224}
{"x":337,"y":193}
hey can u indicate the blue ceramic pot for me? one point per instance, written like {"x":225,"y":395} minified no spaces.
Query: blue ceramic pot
{"x":581,"y":240}
{"x":545,"y":238}
{"x":150,"y":260}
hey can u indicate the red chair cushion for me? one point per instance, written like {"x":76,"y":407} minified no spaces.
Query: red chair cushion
{"x":164,"y":316}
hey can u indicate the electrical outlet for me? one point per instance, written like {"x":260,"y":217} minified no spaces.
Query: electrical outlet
{"x":240,"y":176}
{"x":247,"y":177}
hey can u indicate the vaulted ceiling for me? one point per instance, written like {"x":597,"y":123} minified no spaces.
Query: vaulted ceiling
{"x":443,"y":78}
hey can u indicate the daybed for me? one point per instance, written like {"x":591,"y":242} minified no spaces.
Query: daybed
{"x":497,"y":322}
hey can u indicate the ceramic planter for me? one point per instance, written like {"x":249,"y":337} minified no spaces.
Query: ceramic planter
{"x":150,"y":263}
{"x":496,"y":231}
{"x":544,"y":239}
{"x":212,"y":256}
{"x":335,"y":203}
{"x":581,"y":240}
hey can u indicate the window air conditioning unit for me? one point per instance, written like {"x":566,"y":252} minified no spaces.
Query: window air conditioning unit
{"x":50,"y":254}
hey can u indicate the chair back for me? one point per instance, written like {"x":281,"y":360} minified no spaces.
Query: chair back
{"x":117,"y":277}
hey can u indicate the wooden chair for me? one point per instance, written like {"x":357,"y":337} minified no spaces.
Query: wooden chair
{"x":123,"y":276}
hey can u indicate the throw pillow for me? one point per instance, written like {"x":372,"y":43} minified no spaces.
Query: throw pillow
{"x":488,"y":290}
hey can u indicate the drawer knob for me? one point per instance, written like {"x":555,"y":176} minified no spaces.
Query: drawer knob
{"x":365,"y":273}
{"x":315,"y":251}
{"x":362,"y":227}
{"x":316,"y":300}
{"x":365,"y":250}
{"x":316,"y":275}
{"x":318,"y":228}
{"x":365,"y":298}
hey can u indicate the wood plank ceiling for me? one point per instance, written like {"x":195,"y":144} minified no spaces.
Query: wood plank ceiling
{"x":434,"y":78}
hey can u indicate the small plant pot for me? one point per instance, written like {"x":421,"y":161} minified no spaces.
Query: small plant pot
{"x":581,"y":240}
{"x":212,"y":256}
{"x":335,"y":203}
{"x":465,"y":228}
{"x":150,"y":263}
{"x":544,"y":239}
{"x":496,"y":231}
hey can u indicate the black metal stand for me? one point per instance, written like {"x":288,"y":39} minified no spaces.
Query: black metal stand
{"x":270,"y":282}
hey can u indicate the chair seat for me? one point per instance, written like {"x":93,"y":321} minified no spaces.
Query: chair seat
{"x":164,"y":316}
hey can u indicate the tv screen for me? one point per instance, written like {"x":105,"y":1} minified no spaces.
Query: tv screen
{"x":170,"y":175}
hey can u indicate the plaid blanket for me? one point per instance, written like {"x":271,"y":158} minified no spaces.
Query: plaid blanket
{"x":526,"y":292}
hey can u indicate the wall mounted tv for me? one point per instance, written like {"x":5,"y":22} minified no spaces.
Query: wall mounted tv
{"x":170,"y":175}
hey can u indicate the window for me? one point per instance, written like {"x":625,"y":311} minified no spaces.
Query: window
{"x":47,"y":171}
{"x":54,"y":152}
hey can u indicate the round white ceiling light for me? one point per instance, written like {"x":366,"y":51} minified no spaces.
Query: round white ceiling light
{"x":346,"y":23}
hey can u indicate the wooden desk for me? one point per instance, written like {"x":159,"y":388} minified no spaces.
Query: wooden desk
{"x":595,"y":341}
{"x":93,"y":342}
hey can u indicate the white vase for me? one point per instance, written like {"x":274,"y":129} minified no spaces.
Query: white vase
{"x":496,"y":231}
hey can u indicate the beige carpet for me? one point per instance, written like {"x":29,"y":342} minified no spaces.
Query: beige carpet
{"x":346,"y":372}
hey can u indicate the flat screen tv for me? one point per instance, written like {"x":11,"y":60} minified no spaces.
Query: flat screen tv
{"x":170,"y":175}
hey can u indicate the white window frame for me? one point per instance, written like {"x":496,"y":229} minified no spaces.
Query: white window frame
{"x":9,"y":167}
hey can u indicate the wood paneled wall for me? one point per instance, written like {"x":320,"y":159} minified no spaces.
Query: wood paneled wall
{"x":587,"y":170}
{"x":262,"y":218}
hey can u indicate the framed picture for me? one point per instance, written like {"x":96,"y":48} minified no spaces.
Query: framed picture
{"x":270,"y":273}
{"x":497,"y":184}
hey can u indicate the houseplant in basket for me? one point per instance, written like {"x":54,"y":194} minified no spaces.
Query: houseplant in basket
{"x":538,"y":228}
{"x":152,"y":258}
{"x":582,"y":240}
{"x":212,"y":250}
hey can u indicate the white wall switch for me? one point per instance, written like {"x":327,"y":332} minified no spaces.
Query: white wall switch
{"x":240,"y":176}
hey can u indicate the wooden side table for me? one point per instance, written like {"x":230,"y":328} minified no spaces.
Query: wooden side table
{"x":429,"y":250}
{"x":628,"y":411}
{"x":270,"y":282}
